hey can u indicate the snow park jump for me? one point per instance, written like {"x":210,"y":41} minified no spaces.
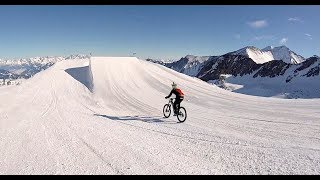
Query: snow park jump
{"x":103,"y":115}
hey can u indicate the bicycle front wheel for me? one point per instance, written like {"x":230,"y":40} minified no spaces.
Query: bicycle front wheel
{"x":182,"y":115}
{"x":166,"y":110}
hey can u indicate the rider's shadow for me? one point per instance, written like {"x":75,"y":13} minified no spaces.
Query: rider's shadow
{"x":147,"y":119}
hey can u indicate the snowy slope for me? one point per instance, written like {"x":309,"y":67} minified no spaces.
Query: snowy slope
{"x":105,"y":117}
{"x":285,"y":54}
{"x":255,"y":54}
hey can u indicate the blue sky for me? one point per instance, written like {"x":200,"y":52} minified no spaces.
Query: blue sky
{"x":167,"y":32}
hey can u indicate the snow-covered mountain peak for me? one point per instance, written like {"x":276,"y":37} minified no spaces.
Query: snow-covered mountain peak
{"x":285,"y":54}
{"x":255,"y":54}
{"x":270,"y":53}
{"x":244,"y":51}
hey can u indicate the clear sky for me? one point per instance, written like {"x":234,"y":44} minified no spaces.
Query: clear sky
{"x":167,"y":32}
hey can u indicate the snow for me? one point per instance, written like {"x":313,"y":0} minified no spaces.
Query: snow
{"x":192,"y":70}
{"x":260,"y":57}
{"x":299,"y":86}
{"x":104,"y":116}
{"x":284,"y":53}
{"x":194,"y":64}
{"x":270,"y":53}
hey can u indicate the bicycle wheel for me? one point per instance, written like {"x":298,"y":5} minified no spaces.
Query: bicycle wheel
{"x":182,"y":115}
{"x":166,"y":110}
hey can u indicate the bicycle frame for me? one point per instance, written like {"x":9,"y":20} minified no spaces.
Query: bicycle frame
{"x":171,"y":102}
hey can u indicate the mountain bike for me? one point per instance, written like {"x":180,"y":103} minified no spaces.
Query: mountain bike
{"x":182,"y":115}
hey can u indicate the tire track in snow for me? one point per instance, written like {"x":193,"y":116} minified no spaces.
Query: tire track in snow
{"x":49,"y":143}
{"x":99,"y":155}
{"x":48,"y":108}
{"x":219,"y":142}
{"x":90,"y":147}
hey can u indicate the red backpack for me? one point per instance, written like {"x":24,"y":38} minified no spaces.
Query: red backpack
{"x":180,"y":92}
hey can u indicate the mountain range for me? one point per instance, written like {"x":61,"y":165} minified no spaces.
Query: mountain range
{"x":269,"y":72}
{"x":27,"y":67}
{"x":249,"y":67}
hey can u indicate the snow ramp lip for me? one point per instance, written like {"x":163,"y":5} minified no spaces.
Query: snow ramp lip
{"x":83,"y":75}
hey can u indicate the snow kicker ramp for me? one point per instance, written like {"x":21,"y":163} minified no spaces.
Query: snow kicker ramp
{"x":129,"y":85}
{"x":104,"y":116}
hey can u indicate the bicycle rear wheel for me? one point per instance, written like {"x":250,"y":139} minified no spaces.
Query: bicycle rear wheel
{"x":166,"y":110}
{"x":182,"y":115}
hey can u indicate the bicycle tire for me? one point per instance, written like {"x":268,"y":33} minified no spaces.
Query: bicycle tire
{"x":182,"y":115}
{"x":166,"y":110}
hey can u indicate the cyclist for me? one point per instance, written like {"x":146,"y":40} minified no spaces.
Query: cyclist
{"x":179,"y":97}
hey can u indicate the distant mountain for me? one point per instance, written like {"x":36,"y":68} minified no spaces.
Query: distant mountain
{"x":28,"y":67}
{"x":241,"y":62}
{"x":77,"y":56}
{"x":239,"y":65}
{"x":279,"y":79}
{"x":192,"y":65}
{"x":189,"y":65}
{"x":270,"y":53}
{"x":276,"y":66}
{"x":156,"y":61}
{"x":4,"y":74}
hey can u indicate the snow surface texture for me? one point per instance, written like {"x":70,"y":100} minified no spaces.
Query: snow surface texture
{"x":105,"y":117}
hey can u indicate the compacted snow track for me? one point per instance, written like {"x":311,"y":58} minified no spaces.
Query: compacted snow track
{"x":104,"y":116}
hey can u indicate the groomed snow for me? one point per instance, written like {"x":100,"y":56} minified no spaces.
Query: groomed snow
{"x":105,"y":117}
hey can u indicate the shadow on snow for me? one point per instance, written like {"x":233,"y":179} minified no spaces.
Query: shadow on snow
{"x":147,"y":119}
{"x":81,"y":74}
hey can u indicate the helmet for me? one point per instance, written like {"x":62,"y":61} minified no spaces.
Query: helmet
{"x":174,"y":85}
